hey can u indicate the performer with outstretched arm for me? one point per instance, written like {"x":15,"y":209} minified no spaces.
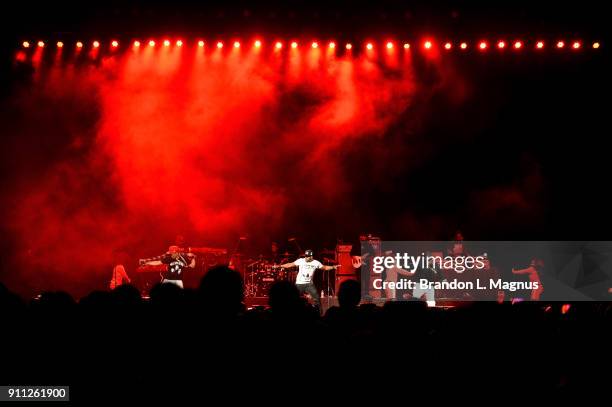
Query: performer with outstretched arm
{"x":306,"y":269}
{"x":176,"y":261}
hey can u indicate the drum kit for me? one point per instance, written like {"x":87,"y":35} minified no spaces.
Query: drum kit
{"x":262,"y":273}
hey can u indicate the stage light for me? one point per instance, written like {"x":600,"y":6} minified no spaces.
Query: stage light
{"x":114,"y":44}
{"x":463,"y":45}
{"x":389,"y":45}
{"x":369,"y":45}
{"x":560,"y":44}
{"x":25,"y":44}
{"x":448,"y":45}
{"x":79,"y":44}
{"x":96,"y":44}
{"x":501,"y":44}
{"x":518,"y":44}
{"x":576,"y":45}
{"x":60,"y":44}
{"x":257,"y":44}
{"x":315,"y":44}
{"x":236,"y":44}
{"x":294,"y":45}
{"x":136,"y":44}
{"x":349,"y":46}
{"x":482,"y":45}
{"x":166,"y":43}
{"x":151,"y":43}
{"x":332,"y":45}
{"x":540,"y":44}
{"x":179,"y":43}
{"x":201,"y":44}
{"x":595,"y":45}
{"x":219,"y":45}
{"x":406,"y":45}
{"x":427,"y":44}
{"x":41,"y":44}
{"x":278,"y":45}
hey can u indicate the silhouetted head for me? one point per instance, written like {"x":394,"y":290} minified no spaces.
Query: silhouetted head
{"x":284,"y":296}
{"x":221,"y":288}
{"x":349,"y":294}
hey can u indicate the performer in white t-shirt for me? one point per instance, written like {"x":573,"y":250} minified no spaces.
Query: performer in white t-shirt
{"x":306,"y":269}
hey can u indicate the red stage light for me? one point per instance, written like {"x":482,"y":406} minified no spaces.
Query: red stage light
{"x":136,"y":44}
{"x":595,"y":45}
{"x":560,"y":44}
{"x":79,"y":44}
{"x":257,"y":44}
{"x":315,"y":44}
{"x":427,"y":44}
{"x":201,"y":44}
{"x":60,"y":44}
{"x":294,"y":44}
{"x":463,"y":45}
{"x":96,"y":44}
{"x":369,"y":45}
{"x":41,"y":44}
{"x":332,"y":45}
{"x":349,"y":46}
{"x":219,"y":44}
{"x":389,"y":45}
{"x":406,"y":46}
{"x":518,"y":45}
{"x":114,"y":44}
{"x":482,"y":45}
{"x":236,"y":44}
{"x":278,"y":45}
{"x":166,"y":43}
{"x":25,"y":44}
{"x":540,"y":44}
{"x":179,"y":43}
{"x":151,"y":43}
{"x":448,"y":45}
{"x":501,"y":44}
{"x":576,"y":45}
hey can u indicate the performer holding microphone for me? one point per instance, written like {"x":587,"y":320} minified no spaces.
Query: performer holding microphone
{"x":306,"y":269}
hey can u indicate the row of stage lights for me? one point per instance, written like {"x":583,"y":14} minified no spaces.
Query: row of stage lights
{"x":278,"y":45}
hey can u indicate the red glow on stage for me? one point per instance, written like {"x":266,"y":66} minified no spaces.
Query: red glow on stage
{"x":501,"y":44}
{"x":201,"y":44}
{"x":428,"y":45}
{"x":349,"y":46}
{"x":389,"y":45}
{"x":79,"y":44}
{"x":41,"y":44}
{"x":518,"y":44}
{"x":540,"y":44}
{"x":179,"y":43}
{"x":463,"y":45}
{"x":294,"y":44}
{"x":136,"y":44}
{"x":565,"y":308}
{"x":332,"y":45}
{"x":96,"y":44}
{"x":114,"y":44}
{"x":236,"y":44}
{"x":595,"y":45}
{"x":576,"y":45}
{"x":151,"y":43}
{"x":560,"y":44}
{"x":60,"y":44}
{"x":369,"y":46}
{"x":166,"y":43}
{"x":25,"y":44}
{"x":448,"y":45}
{"x":482,"y":45}
{"x":219,"y":45}
{"x":315,"y":44}
{"x":406,"y":46}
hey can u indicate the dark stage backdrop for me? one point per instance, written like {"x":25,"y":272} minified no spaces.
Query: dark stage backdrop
{"x":124,"y":150}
